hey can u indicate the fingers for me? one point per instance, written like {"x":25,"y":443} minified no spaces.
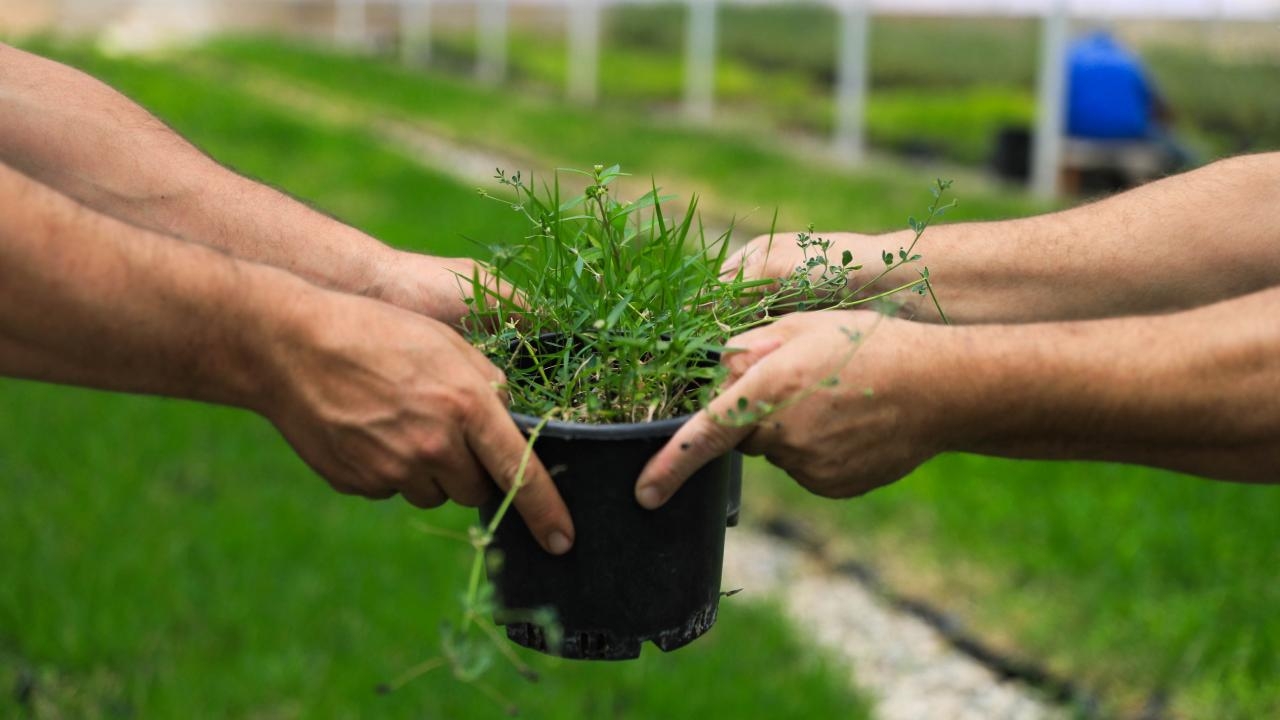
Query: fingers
{"x":476,"y":359}
{"x":500,"y":447}
{"x":753,"y":260}
{"x":425,"y":494}
{"x":706,"y":436}
{"x":461,"y":480}
{"x":750,"y":347}
{"x":745,"y":260}
{"x":729,"y":270}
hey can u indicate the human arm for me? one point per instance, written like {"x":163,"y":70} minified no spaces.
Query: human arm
{"x":1176,"y":243}
{"x":1191,"y":391}
{"x":84,"y":139}
{"x":376,"y":399}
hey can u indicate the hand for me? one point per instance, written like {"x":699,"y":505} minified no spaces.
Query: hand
{"x":382,"y":401}
{"x":433,"y":286}
{"x":776,"y":256}
{"x":890,"y":409}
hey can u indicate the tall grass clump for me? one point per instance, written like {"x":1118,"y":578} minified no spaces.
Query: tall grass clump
{"x":614,"y":311}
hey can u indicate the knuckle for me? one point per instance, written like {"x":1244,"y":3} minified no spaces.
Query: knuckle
{"x":433,"y":447}
{"x":389,"y":471}
{"x":469,"y":402}
{"x":509,"y":473}
{"x":453,"y":401}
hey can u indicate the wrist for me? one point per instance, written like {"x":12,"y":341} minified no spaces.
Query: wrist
{"x":957,"y":385}
{"x":282,"y":314}
{"x":436,"y":287}
{"x":878,"y":278}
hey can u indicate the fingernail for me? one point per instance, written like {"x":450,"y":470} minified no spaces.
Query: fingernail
{"x":649,"y":497}
{"x":558,"y":543}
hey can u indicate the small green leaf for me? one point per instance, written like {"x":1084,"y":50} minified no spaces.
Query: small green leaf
{"x":888,"y":257}
{"x":846,"y":258}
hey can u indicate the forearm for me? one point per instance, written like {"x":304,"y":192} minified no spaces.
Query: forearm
{"x":1193,"y":391}
{"x":89,"y":142}
{"x":1178,"y":243}
{"x":90,"y":300}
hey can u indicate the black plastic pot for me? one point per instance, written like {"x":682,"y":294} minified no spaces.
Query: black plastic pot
{"x":633,"y":575}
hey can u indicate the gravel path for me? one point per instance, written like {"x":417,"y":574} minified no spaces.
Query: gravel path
{"x":900,"y":663}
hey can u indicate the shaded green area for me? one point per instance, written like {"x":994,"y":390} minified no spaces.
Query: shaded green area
{"x":168,"y":560}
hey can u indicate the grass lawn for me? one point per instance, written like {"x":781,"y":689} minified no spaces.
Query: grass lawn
{"x":169,"y":560}
{"x":1137,"y":582}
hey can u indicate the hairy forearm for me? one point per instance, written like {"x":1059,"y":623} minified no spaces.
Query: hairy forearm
{"x":90,"y":300}
{"x":1193,"y":391}
{"x":1178,"y":243}
{"x":89,"y":142}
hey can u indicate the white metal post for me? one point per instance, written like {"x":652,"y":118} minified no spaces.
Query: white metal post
{"x":700,"y":60}
{"x":1051,"y":102}
{"x":415,"y":32}
{"x":584,"y":49}
{"x":349,"y":23}
{"x":851,"y":82}
{"x":491,"y":41}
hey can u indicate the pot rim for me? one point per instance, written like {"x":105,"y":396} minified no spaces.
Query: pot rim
{"x":602,"y":431}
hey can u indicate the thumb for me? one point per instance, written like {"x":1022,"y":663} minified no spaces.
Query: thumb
{"x":729,"y":270}
{"x":709,"y":434}
{"x":749,"y":348}
{"x":748,"y":260}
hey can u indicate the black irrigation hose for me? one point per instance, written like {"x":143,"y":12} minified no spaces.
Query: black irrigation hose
{"x":1058,"y":689}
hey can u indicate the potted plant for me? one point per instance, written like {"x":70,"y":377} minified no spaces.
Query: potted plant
{"x":610,"y":338}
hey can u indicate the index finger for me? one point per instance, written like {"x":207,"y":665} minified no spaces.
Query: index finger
{"x":497,"y":442}
{"x":709,"y":434}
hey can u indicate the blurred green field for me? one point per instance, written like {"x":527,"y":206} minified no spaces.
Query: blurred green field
{"x":941,"y":86}
{"x":743,"y":170}
{"x":168,"y":560}
{"x":1138,"y":581}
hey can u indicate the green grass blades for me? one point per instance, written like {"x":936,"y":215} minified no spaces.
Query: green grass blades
{"x":612,"y":311}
